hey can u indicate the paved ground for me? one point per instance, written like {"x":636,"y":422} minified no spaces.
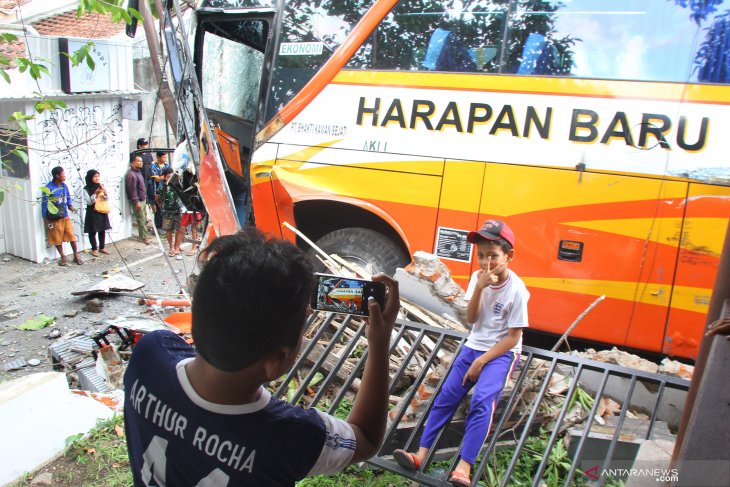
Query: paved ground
{"x":29,"y":289}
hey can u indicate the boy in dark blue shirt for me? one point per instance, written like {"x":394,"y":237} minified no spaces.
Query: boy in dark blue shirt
{"x":202,"y":416}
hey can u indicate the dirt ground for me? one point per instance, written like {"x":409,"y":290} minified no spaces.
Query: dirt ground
{"x":30,"y":289}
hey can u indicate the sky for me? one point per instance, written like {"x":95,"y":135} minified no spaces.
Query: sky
{"x":647,"y":39}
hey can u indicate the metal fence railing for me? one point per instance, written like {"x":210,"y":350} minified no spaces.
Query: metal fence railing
{"x":560,"y":421}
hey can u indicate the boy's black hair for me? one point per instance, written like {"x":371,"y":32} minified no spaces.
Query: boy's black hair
{"x":133,"y":156}
{"x":56,"y":171}
{"x":250,"y":298}
{"x":161,"y":153}
{"x":500,"y":242}
{"x":167,"y":170}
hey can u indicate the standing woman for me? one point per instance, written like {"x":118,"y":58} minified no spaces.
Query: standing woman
{"x":95,"y":223}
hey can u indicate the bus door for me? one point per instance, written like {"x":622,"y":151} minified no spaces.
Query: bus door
{"x":700,"y":245}
{"x":461,"y":191}
{"x":580,"y":235}
{"x":233,"y":55}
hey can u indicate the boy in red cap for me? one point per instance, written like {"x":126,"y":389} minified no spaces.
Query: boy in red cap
{"x":497,"y":311}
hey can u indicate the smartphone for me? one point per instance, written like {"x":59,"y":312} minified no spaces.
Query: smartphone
{"x":346,"y":294}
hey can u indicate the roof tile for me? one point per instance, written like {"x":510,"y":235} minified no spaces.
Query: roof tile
{"x":91,"y":25}
{"x":12,"y":50}
{"x":11,"y":4}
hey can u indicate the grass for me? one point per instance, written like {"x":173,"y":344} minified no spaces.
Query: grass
{"x":95,"y":460}
{"x":354,"y":475}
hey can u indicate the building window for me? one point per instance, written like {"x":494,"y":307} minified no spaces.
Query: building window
{"x":13,"y":166}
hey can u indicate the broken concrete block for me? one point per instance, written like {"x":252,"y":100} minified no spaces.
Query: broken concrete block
{"x":70,"y":313}
{"x":94,"y":305}
{"x":676,"y":369}
{"x":618,"y":357}
{"x":16,"y":364}
{"x":37,"y":414}
{"x":427,"y":282}
{"x":112,"y":366}
{"x":43,"y":480}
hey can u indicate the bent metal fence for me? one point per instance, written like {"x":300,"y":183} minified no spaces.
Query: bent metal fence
{"x":562,"y":419}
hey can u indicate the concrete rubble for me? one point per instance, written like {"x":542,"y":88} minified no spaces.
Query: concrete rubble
{"x":625,"y":359}
{"x":427,"y":282}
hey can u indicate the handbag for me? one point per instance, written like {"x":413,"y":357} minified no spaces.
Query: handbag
{"x":101,"y":205}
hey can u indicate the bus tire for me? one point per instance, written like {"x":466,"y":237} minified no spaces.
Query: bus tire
{"x":368,"y":249}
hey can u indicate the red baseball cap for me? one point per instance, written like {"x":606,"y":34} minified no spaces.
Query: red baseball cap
{"x":492,"y":230}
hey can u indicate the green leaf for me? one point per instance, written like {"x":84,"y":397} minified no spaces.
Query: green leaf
{"x":37,"y":323}
{"x":2,"y":196}
{"x":135,"y":13}
{"x":90,"y":63}
{"x":52,"y":208}
{"x":316,"y":379}
{"x":291,"y":390}
{"x":5,"y":76}
{"x":45,"y":190}
{"x":20,"y":153}
{"x":9,"y":37}
{"x":73,"y":439}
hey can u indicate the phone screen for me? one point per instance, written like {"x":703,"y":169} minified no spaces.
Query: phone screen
{"x":345,"y":294}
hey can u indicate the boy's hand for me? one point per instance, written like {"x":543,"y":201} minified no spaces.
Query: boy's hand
{"x":488,"y":277}
{"x":472,"y":375}
{"x":719,"y":327}
{"x":381,"y":323}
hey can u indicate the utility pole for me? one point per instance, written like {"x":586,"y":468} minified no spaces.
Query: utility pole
{"x":702,"y":451}
{"x":166,"y":95}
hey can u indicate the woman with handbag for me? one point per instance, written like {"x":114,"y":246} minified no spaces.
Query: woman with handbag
{"x":96,"y":222}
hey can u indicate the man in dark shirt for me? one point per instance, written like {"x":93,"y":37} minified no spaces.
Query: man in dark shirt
{"x":137,"y":195}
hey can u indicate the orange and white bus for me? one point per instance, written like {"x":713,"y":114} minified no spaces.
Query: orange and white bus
{"x":598,"y":129}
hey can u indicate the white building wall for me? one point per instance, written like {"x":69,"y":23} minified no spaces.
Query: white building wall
{"x":89,"y":133}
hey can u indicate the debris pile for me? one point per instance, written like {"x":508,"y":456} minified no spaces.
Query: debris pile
{"x":427,"y":282}
{"x":625,"y":359}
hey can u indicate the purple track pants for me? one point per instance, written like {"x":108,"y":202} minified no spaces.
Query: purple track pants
{"x":487,"y":391}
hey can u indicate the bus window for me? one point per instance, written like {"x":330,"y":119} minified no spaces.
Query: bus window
{"x":652,"y":40}
{"x":237,"y":3}
{"x":233,"y":56}
{"x":311,"y":31}
{"x":418,"y":37}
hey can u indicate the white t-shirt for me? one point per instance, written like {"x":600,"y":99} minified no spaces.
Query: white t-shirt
{"x":503,"y":306}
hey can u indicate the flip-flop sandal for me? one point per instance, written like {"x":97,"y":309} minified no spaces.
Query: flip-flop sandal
{"x":63,"y":263}
{"x":191,"y":252}
{"x":458,"y":479}
{"x":406,"y":459}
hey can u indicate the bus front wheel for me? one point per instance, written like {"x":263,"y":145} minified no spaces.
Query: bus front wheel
{"x":367,"y":248}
